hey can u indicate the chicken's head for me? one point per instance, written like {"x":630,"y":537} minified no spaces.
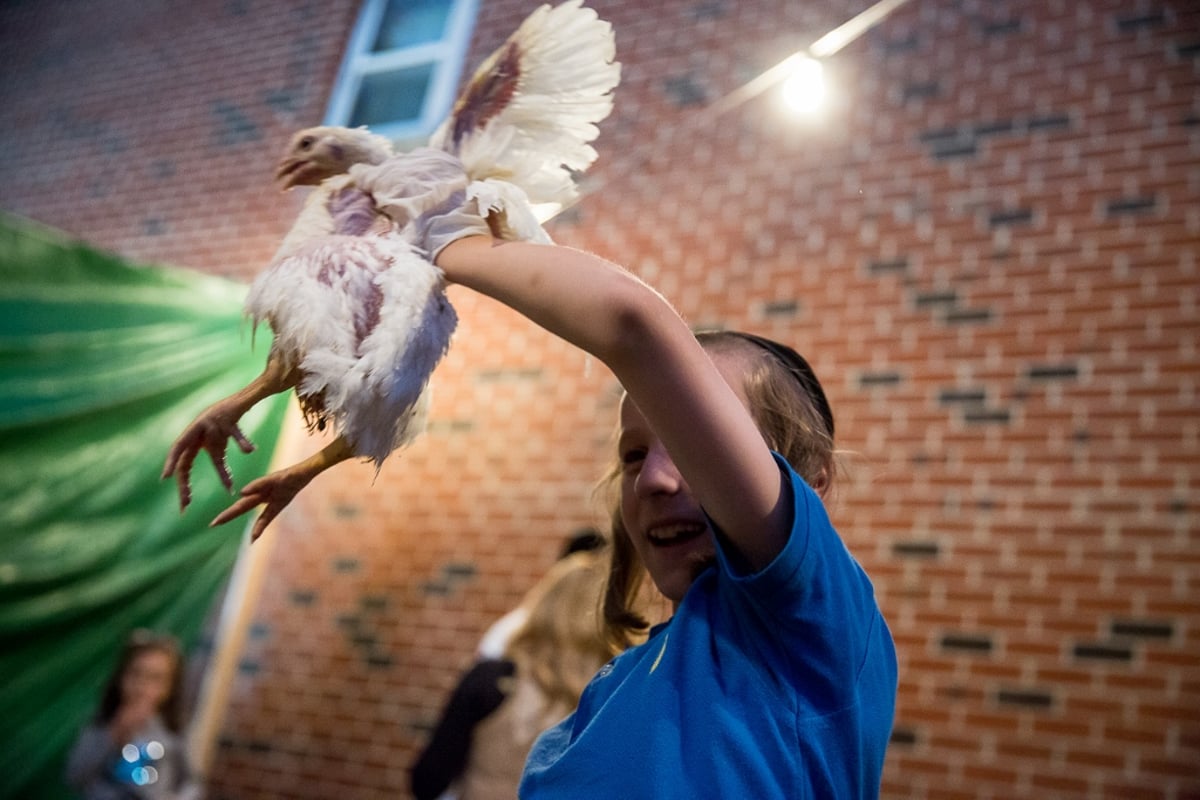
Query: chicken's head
{"x":315,"y":154}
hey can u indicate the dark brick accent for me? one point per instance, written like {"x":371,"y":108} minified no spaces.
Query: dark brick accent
{"x":344,"y":564}
{"x":346,"y":510}
{"x":916,"y":549}
{"x":963,"y":316}
{"x":452,"y":574}
{"x":1102,"y":652}
{"x":919,"y":91}
{"x":956,"y":149}
{"x":987,"y":415}
{"x":1025,"y":698}
{"x":685,"y":91}
{"x":1001,"y":28}
{"x":1046,"y":372}
{"x":1130,"y":22}
{"x":1129,"y":205}
{"x":362,"y":632}
{"x":709,"y":9}
{"x":1049,"y":122}
{"x":782,"y":308}
{"x":903,"y":736}
{"x":363,"y":638}
{"x":956,"y":396}
{"x":1014,"y":216}
{"x":248,"y":667}
{"x":868,"y":380}
{"x":966,"y":642}
{"x":259,"y":630}
{"x":460,"y":570}
{"x":162,"y":169}
{"x":437,"y":588}
{"x":1189,"y":50}
{"x":379,"y":660}
{"x":883,"y":267}
{"x":233,"y":126}
{"x":995,"y":128}
{"x":374,"y":602}
{"x":303,"y":597}
{"x":940,"y":135}
{"x":905,"y":45}
{"x":1142,"y":629}
{"x":930,"y":299}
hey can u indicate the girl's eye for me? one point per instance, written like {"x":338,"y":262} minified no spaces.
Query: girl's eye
{"x":633,"y":456}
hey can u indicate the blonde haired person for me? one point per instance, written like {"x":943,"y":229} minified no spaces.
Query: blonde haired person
{"x":500,"y":706}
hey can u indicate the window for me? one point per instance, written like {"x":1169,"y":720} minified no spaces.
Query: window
{"x":402,"y":66}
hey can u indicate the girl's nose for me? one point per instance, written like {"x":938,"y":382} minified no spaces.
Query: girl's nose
{"x":658,"y":473}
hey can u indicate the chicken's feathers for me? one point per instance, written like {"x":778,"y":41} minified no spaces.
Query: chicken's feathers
{"x":528,"y":114}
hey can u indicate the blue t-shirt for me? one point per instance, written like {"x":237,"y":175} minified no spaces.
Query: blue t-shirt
{"x":780,"y":684}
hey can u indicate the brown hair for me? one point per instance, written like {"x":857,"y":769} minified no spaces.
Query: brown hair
{"x":143,"y":641}
{"x":561,"y":644}
{"x":791,"y":411}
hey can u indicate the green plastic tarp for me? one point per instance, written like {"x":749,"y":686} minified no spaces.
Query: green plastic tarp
{"x":102,"y":365}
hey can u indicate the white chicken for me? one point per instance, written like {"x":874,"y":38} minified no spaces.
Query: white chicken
{"x":359,"y":315}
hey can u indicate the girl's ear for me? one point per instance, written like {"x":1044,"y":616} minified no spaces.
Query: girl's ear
{"x":820,"y":484}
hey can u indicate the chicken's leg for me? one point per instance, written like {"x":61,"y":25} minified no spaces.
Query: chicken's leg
{"x":278,"y":488}
{"x":217,"y":424}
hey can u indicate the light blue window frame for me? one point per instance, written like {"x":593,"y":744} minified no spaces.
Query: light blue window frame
{"x":442,"y":57}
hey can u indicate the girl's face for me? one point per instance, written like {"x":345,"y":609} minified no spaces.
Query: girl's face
{"x":147,"y":679}
{"x":664,"y":522}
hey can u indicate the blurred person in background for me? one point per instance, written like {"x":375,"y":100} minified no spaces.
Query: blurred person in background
{"x":498,"y":708}
{"x":133,"y":748}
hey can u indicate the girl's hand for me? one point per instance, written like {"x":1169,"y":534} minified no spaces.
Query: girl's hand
{"x":129,"y":719}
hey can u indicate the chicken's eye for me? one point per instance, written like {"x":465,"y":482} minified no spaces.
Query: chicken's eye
{"x":307,"y":142}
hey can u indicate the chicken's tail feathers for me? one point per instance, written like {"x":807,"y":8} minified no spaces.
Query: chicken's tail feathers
{"x":529,"y":112}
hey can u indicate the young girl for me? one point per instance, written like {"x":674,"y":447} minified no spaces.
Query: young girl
{"x":132,"y":749}
{"x":776,"y":676}
{"x":501,"y":705}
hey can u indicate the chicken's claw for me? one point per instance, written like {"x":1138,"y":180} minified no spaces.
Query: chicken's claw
{"x":276,"y":490}
{"x":210,"y":432}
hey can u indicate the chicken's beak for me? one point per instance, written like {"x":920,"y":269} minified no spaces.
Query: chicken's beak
{"x":288,"y":171}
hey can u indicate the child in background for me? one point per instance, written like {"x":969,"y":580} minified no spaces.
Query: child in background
{"x":132,"y":749}
{"x":501,"y":705}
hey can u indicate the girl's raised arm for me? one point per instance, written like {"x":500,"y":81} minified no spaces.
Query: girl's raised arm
{"x":606,"y":311}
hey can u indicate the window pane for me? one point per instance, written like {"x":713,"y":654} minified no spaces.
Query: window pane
{"x":411,"y":22}
{"x":391,"y":96}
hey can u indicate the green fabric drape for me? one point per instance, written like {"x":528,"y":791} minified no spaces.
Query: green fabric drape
{"x":102,"y":364}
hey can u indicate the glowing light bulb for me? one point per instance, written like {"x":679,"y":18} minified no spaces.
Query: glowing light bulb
{"x":804,"y":88}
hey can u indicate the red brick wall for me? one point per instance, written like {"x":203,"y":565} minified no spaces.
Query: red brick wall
{"x":988,"y":248}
